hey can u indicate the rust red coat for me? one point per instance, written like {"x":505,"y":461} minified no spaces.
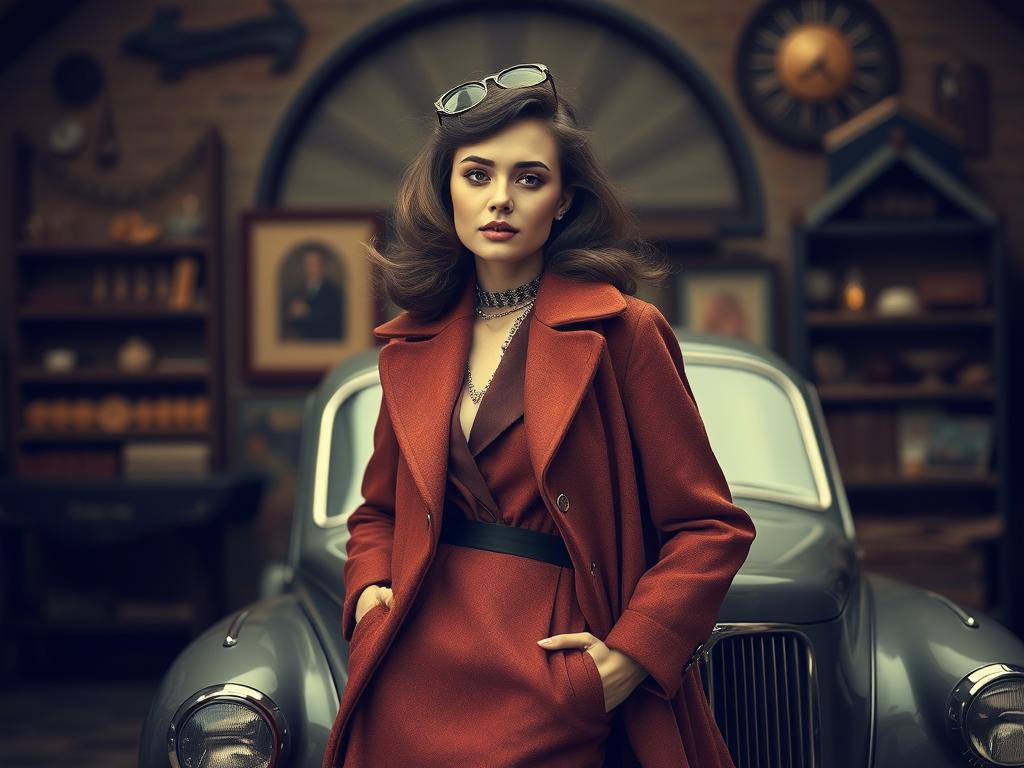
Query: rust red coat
{"x":604,"y":385}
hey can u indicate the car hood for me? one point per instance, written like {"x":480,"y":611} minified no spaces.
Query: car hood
{"x":800,"y":568}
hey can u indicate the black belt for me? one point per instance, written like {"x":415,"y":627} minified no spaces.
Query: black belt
{"x":546,"y":547}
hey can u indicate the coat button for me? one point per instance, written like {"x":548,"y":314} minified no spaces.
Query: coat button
{"x":563,"y":503}
{"x":693,"y":658}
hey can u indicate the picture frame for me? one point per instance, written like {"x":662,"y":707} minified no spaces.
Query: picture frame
{"x":933,"y":443}
{"x":959,"y":446}
{"x":307,"y":298}
{"x":731,"y":299}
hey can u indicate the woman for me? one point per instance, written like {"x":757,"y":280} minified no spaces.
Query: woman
{"x":532,"y":570}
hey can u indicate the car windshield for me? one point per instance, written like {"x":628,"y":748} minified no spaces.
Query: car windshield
{"x":754,"y":428}
{"x":753,"y":423}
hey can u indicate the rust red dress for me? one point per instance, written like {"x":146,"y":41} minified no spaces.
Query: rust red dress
{"x":455,"y":679}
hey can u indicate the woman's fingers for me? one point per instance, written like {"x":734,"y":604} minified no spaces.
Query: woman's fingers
{"x":619,"y":673}
{"x":580,"y":640}
{"x":371,"y":596}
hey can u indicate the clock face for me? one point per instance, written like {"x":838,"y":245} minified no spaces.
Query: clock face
{"x":654,"y":129}
{"x":806,"y":66}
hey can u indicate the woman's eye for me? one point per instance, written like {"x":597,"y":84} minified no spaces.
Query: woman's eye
{"x":477,"y":176}
{"x":530,"y":180}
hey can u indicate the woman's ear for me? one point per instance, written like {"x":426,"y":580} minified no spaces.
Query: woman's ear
{"x":564,"y":202}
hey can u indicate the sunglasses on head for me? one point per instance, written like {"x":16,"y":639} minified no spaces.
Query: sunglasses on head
{"x":464,"y":97}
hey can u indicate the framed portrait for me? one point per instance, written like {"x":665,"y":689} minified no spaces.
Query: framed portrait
{"x":307,"y":301}
{"x":729,"y":299}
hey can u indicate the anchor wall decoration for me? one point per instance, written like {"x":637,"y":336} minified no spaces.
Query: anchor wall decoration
{"x":176,"y":49}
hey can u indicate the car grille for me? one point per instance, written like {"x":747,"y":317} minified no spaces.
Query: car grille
{"x":762,"y":687}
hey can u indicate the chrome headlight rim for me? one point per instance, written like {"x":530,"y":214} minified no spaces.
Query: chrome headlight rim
{"x":962,"y":698}
{"x":259,"y":702}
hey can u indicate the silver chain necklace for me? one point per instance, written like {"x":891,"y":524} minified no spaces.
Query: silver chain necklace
{"x":494,"y":316}
{"x":477,"y":395}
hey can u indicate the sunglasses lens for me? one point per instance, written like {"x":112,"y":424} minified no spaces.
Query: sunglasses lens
{"x":519,"y":77}
{"x":463,"y":97}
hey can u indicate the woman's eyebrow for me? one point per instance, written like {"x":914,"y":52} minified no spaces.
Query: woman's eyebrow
{"x":490,"y":163}
{"x":531,"y":164}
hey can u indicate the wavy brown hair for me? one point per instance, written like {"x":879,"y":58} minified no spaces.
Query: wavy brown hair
{"x":424,"y":266}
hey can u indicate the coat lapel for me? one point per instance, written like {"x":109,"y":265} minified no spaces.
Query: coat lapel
{"x":421,"y":380}
{"x":562,"y":360}
{"x":422,"y":371}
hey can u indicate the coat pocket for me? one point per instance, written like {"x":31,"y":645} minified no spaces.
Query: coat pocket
{"x":586,"y":685}
{"x":369,"y":617}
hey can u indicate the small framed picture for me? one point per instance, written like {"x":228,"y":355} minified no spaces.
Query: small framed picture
{"x":937,"y":444}
{"x":729,"y":299}
{"x":960,"y":446}
{"x":307,"y":299}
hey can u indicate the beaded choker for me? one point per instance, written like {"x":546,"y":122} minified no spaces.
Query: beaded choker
{"x":509,"y":298}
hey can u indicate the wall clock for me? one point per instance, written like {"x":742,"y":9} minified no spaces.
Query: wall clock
{"x":805,"y":66}
{"x":667,"y":136}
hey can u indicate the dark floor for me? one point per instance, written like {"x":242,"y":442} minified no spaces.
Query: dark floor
{"x":72,"y":725}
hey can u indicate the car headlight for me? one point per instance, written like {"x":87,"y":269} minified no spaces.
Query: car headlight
{"x":228,"y":726}
{"x":985,"y":716}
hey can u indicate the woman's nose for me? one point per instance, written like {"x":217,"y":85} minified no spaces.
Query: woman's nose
{"x":501,"y":200}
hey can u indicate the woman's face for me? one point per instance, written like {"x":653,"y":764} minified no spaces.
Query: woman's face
{"x":506,"y":191}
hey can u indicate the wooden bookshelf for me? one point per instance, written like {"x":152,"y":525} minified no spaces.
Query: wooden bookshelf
{"x":147,"y":552}
{"x":916,"y":402}
{"x":56,"y":305}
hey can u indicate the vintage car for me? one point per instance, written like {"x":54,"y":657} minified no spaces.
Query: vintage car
{"x":813,"y":662}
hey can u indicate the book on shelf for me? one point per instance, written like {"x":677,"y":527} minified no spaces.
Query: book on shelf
{"x":865,"y":442}
{"x":181,"y":364}
{"x":66,"y":465}
{"x":184,"y":282}
{"x":149,"y":460}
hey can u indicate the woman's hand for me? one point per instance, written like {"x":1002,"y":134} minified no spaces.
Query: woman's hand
{"x":619,"y":673}
{"x":371,"y":596}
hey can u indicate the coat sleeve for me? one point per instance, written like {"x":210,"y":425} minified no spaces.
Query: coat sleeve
{"x":372,"y":525}
{"x":703,"y":537}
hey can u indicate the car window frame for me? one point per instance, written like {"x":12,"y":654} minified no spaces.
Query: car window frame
{"x":805,"y":425}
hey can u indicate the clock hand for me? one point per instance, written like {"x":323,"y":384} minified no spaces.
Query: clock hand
{"x":817,"y":66}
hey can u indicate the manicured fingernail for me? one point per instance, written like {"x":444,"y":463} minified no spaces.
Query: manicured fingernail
{"x":545,"y":641}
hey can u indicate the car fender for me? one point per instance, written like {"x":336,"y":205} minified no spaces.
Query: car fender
{"x":277,"y":653}
{"x":924,"y":646}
